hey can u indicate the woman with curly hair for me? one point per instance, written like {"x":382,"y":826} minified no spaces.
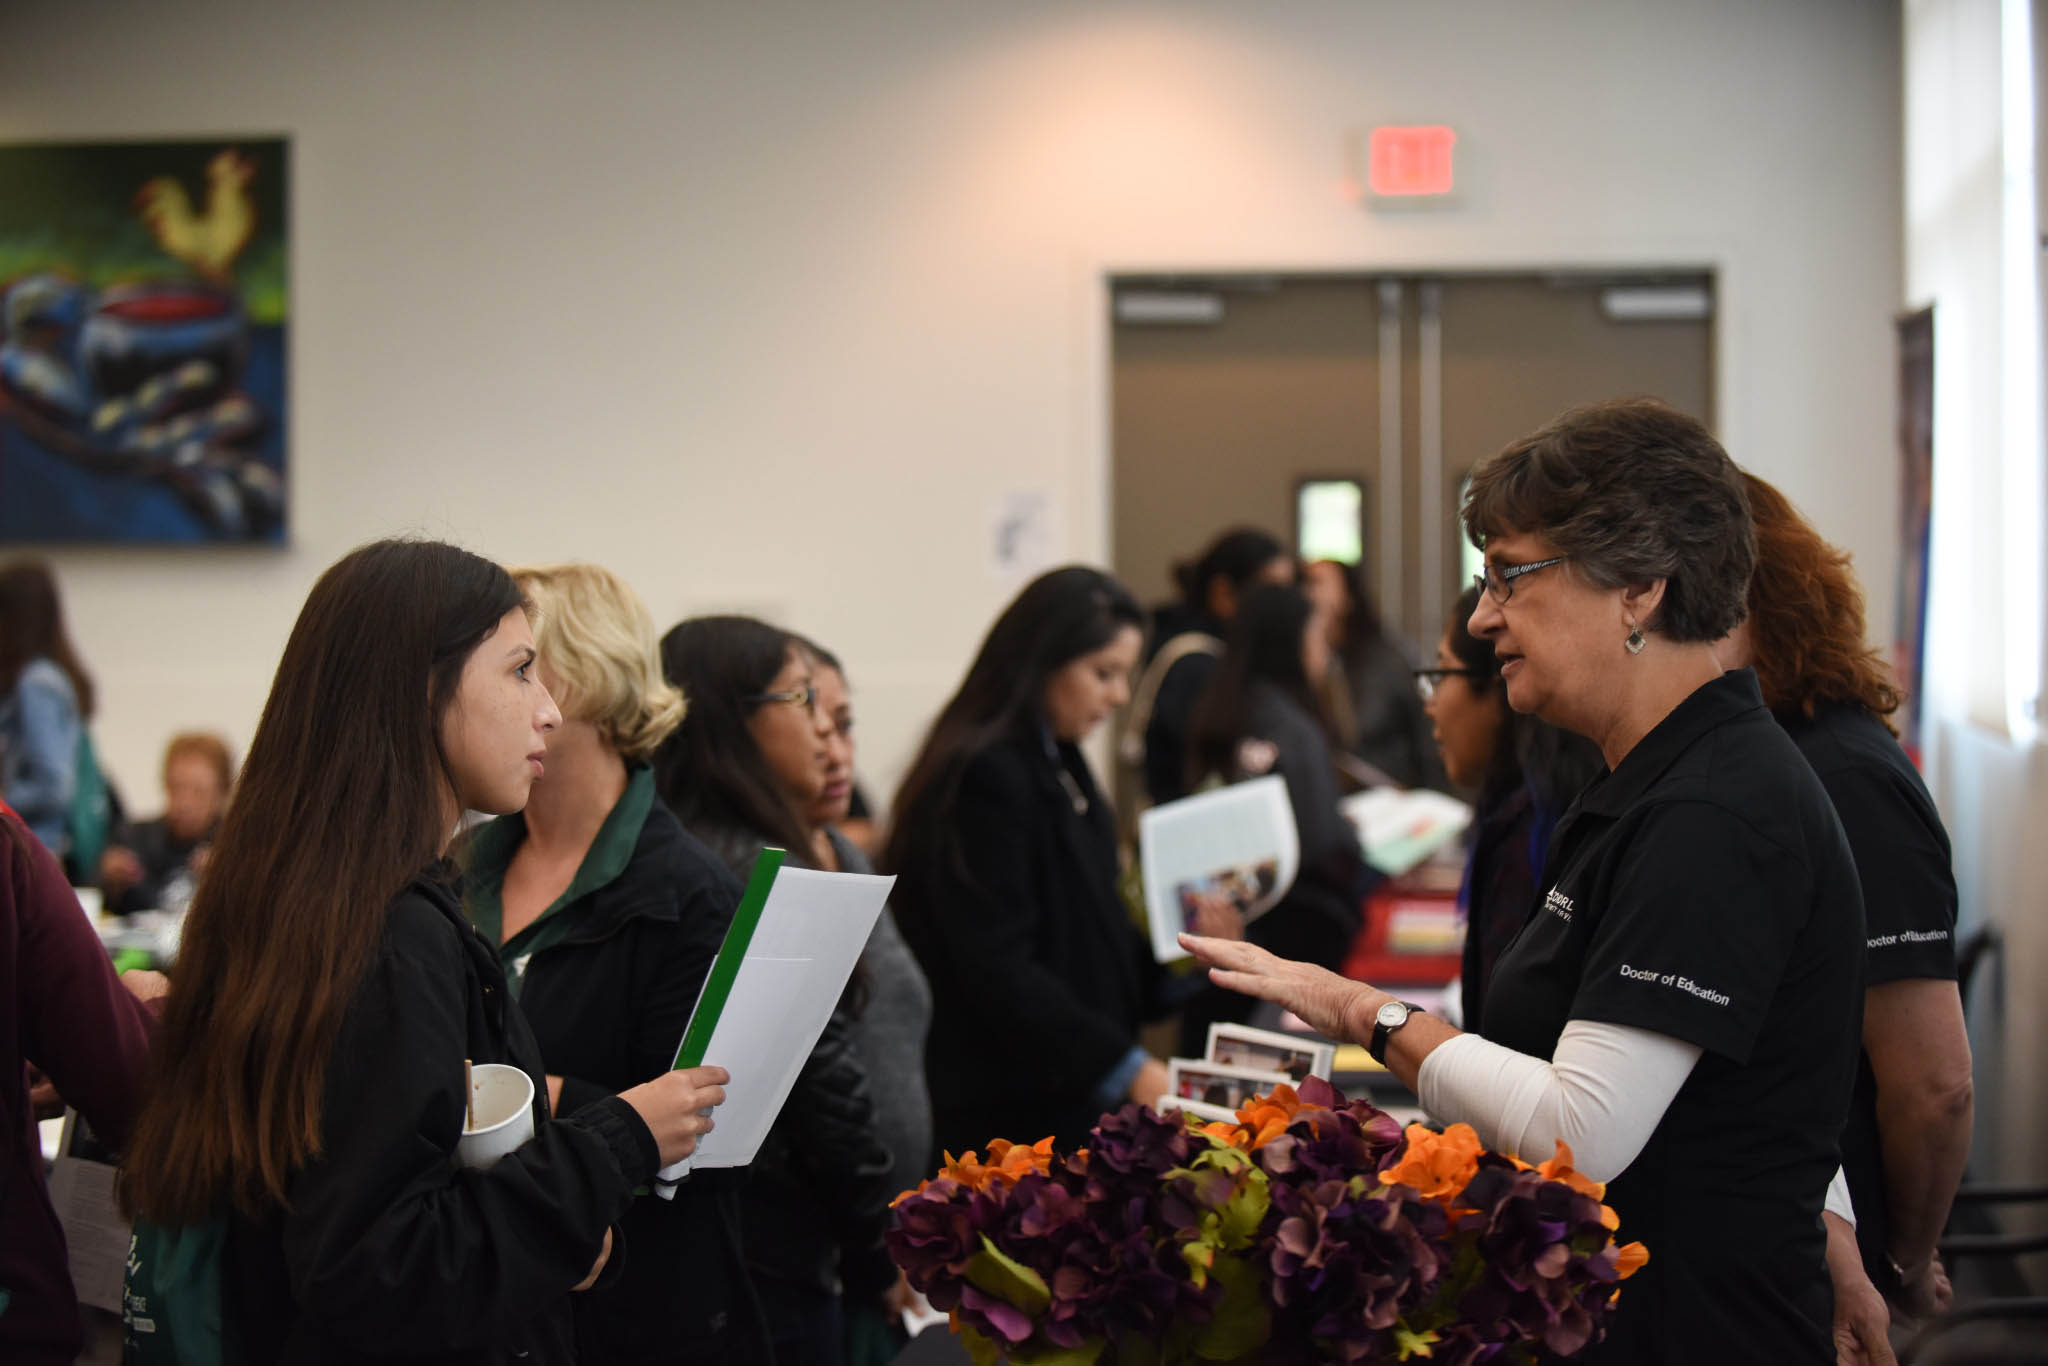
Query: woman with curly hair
{"x":1909,"y":1124}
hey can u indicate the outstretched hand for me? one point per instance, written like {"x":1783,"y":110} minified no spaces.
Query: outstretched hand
{"x":1329,"y":1004}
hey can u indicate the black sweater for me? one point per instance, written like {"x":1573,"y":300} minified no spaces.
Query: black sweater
{"x":387,"y":1249}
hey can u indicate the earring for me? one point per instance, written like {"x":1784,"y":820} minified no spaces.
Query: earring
{"x":1636,"y":640}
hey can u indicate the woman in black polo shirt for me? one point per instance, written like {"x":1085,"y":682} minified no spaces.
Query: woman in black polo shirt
{"x":1909,"y":1123}
{"x":1681,"y":1005}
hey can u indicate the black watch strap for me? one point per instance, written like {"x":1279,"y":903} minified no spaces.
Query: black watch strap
{"x":1382,"y":1035}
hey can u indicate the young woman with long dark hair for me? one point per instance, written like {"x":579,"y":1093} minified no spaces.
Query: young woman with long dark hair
{"x":1261,"y":714}
{"x":741,"y":773}
{"x":1006,"y":861}
{"x":1370,"y":689}
{"x":307,"y":1088}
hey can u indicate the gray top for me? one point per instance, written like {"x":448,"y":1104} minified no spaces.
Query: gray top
{"x":889,"y":1037}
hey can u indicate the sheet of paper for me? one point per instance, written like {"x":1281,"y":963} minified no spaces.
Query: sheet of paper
{"x":1398,"y":829}
{"x":812,"y":929}
{"x":1238,"y":842}
{"x":95,"y":1234}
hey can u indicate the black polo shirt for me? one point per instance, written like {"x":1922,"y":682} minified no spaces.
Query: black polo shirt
{"x":1909,"y":910}
{"x":1703,"y":890}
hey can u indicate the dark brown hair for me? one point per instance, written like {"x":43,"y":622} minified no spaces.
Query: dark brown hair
{"x":1265,"y":647}
{"x":32,"y":626}
{"x":710,"y":771}
{"x":1806,"y":618}
{"x":344,"y":799}
{"x":1631,"y":490}
{"x":1058,"y":617}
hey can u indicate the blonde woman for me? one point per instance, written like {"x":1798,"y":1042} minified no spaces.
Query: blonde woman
{"x":606,"y":915}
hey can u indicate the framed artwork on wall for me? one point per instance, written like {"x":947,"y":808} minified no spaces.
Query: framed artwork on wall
{"x":144,"y":308}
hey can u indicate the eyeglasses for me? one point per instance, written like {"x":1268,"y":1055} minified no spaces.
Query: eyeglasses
{"x":1499,"y":579}
{"x":805,"y":697}
{"x":1427,"y":680}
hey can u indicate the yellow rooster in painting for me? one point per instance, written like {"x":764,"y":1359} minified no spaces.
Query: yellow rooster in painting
{"x":208,"y":242}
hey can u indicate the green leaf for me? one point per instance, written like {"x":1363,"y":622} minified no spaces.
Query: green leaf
{"x":1008,"y":1279}
{"x":1242,"y":1322}
{"x":1407,"y":1344}
{"x":1242,"y":1214}
{"x":980,"y":1350}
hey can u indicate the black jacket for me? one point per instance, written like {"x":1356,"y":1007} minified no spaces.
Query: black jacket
{"x":1039,"y":976}
{"x":387,"y":1250}
{"x":816,"y":1199}
{"x":608,"y":1003}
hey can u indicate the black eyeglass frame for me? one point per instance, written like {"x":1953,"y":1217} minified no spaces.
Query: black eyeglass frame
{"x":1428,"y":680}
{"x":1504,"y":576}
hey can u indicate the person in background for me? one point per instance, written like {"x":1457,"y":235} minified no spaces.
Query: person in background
{"x":1188,"y":637}
{"x":46,"y":697}
{"x":606,"y":915}
{"x":154,"y":865}
{"x":1523,"y":772}
{"x":1908,"y":1136}
{"x":1681,"y":1006}
{"x":1373,"y":708}
{"x":62,"y":1009}
{"x":743,"y":772}
{"x":307,"y":1089}
{"x":1260,"y":715}
{"x":1005,"y":855}
{"x":896,"y":1019}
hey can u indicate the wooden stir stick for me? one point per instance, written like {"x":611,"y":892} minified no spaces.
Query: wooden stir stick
{"x":468,"y":1099}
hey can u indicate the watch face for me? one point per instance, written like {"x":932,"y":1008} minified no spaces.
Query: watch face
{"x":1391,"y":1014}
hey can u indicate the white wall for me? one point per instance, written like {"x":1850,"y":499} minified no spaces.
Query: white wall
{"x":765,"y":304}
{"x":1965,"y":152}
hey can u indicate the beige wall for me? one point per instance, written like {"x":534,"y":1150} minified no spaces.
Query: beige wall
{"x":767,"y":304}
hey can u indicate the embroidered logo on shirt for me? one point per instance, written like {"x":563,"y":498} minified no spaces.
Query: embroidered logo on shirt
{"x":1672,"y":979}
{"x":1558,"y":904}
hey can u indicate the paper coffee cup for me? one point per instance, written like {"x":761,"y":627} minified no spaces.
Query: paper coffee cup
{"x":503,"y":1100}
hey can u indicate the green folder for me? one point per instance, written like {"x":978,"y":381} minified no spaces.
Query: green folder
{"x":731,"y":953}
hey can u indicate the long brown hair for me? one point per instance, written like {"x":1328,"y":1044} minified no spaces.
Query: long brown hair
{"x":32,"y":626}
{"x":1806,"y":618}
{"x":343,"y":799}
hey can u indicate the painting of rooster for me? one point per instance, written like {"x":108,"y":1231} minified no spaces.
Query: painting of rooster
{"x":143,"y":325}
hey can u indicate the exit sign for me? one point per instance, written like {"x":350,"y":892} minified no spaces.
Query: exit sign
{"x":1410,"y":161}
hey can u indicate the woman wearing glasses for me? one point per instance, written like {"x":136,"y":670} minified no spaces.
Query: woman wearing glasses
{"x":742,"y":772}
{"x":1681,"y":1006}
{"x":1523,"y":773}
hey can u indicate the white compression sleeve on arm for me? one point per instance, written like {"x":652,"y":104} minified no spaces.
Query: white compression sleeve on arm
{"x":1602,"y":1092}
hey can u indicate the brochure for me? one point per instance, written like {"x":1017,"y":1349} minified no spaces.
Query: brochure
{"x":1238,"y":843}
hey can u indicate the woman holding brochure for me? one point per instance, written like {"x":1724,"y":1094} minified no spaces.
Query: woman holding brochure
{"x":606,"y":915}
{"x":742,"y":773}
{"x":1260,"y":715}
{"x":1681,"y":1005}
{"x":307,"y":1089}
{"x":1006,"y":861}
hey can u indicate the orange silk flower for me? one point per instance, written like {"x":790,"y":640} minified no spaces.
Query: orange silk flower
{"x":1436,"y":1165}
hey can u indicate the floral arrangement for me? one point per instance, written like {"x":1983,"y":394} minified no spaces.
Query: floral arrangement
{"x":1311,"y":1230}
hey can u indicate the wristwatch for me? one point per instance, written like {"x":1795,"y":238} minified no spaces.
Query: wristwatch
{"x":1389,"y":1018}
